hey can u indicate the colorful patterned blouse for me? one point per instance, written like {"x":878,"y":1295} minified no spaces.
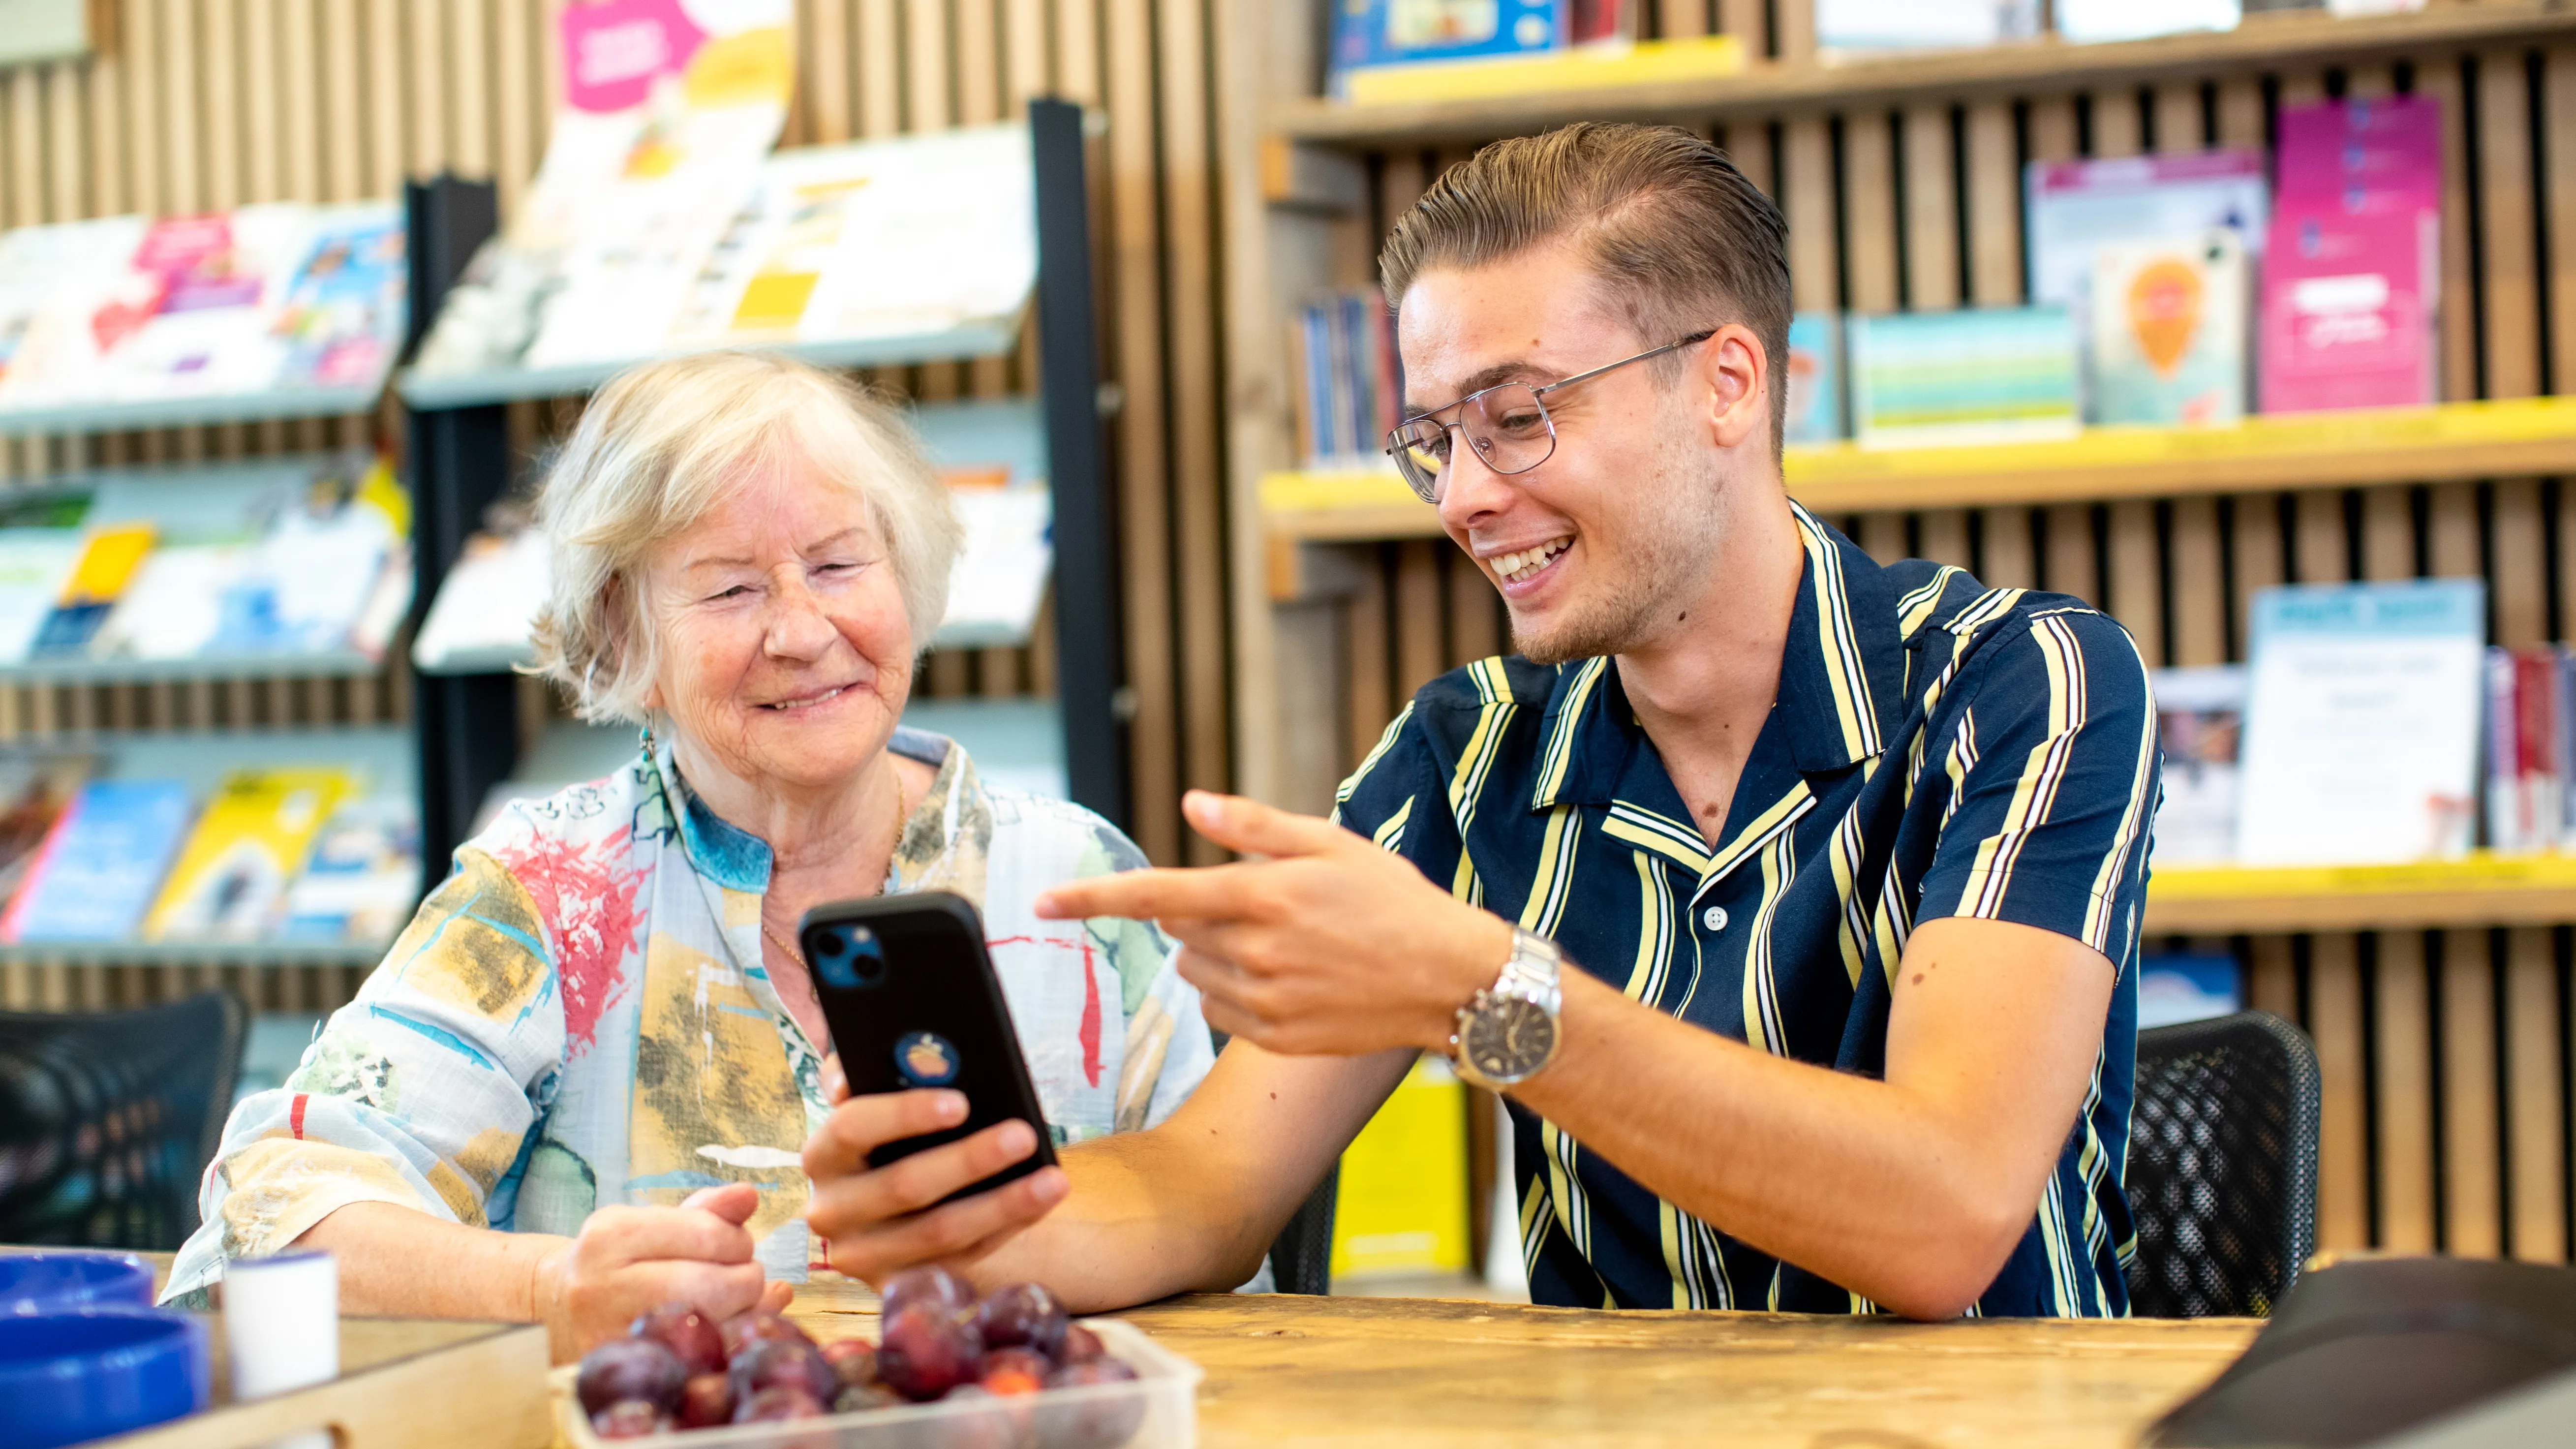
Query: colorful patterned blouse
{"x":579,"y":1015}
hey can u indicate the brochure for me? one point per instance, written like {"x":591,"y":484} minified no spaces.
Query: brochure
{"x":1862,"y":25}
{"x":1815,"y":378}
{"x":2200,"y":716}
{"x":35,"y":789}
{"x":2362,"y":723}
{"x":231,"y":879}
{"x":2085,"y":21}
{"x":2168,"y":335}
{"x":362,"y":877}
{"x":97,"y":869}
{"x":1977,"y":375}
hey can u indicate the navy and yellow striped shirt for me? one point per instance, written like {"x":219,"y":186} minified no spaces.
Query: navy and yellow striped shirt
{"x":1937,"y":749}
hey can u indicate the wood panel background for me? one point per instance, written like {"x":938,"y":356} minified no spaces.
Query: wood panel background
{"x":215,"y":103}
{"x":2445,"y":1054}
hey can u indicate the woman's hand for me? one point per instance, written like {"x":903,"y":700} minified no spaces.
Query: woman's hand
{"x":875,"y":1222}
{"x":629,"y":1260}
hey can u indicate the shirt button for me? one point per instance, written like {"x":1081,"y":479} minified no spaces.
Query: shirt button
{"x":1714,"y":918}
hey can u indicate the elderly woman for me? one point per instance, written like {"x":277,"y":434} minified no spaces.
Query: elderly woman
{"x":578,"y":1085}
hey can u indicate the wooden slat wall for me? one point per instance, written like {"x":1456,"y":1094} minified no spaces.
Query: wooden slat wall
{"x":2444,"y":1053}
{"x":211,"y":103}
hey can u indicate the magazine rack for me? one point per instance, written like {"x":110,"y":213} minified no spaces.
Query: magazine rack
{"x":469,"y":721}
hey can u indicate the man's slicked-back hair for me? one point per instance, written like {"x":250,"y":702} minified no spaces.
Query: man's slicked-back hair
{"x":1681,"y":241}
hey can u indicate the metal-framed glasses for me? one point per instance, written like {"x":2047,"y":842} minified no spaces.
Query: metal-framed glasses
{"x":1506,"y":424}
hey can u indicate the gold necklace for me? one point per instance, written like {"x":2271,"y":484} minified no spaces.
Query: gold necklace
{"x":902,"y":813}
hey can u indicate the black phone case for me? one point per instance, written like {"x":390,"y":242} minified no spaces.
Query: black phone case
{"x":912,"y":1001}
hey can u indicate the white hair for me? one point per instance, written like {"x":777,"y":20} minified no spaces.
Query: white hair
{"x":658,"y":446}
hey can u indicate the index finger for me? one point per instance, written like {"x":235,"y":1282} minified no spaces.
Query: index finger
{"x":870,"y":1120}
{"x":1214,"y":892}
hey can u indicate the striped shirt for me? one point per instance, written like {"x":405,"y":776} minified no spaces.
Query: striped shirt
{"x":1937,"y":748}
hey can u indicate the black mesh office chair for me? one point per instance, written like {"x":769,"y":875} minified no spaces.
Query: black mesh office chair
{"x":1301,"y":1258}
{"x":108,"y":1118}
{"x":2222,"y":1166}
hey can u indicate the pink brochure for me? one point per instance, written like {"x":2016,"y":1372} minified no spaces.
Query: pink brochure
{"x":2347,"y":321}
{"x":2366,"y":153}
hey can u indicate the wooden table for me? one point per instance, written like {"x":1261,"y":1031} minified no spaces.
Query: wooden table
{"x":1293,"y":1370}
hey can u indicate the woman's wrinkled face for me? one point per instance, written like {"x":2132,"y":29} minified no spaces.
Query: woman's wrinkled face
{"x":785,"y":653}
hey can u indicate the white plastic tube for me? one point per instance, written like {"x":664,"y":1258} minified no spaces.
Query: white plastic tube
{"x":282,"y":1329}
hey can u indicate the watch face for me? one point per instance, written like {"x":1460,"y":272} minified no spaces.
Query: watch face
{"x":1509,"y":1039}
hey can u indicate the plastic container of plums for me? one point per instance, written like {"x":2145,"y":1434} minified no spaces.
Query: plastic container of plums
{"x":946,"y":1371}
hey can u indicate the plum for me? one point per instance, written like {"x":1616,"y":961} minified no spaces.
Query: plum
{"x":1094,"y":1421}
{"x":927,"y":1349}
{"x":630,"y":1419}
{"x":706,"y":1399}
{"x":929,"y":1284}
{"x":629,"y":1368}
{"x":1080,"y":1345}
{"x":1016,"y":1370}
{"x":777,"y":1403}
{"x":783,"y":1363}
{"x":686,"y":1333}
{"x":854,"y":1359}
{"x":744,"y":1329}
{"x":1026,"y":1314}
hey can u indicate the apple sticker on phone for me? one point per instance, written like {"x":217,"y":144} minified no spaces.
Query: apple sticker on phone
{"x":925,"y":1059}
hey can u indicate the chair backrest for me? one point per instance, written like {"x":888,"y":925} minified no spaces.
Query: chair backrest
{"x":2222,"y":1176}
{"x":1301,"y":1258}
{"x":107,"y":1120}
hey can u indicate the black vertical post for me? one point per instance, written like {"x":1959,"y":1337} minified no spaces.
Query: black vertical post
{"x":1091,"y":668}
{"x":468,"y":726}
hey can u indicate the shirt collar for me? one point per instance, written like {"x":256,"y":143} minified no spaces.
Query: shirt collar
{"x":738,"y":860}
{"x":1842,"y":678}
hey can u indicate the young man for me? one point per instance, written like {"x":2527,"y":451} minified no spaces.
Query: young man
{"x":1790,"y":900}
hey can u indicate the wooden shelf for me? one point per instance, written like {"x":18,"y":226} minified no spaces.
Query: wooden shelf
{"x":2482,"y":890}
{"x":2449,"y":443}
{"x":360,"y":955}
{"x":2264,"y":42}
{"x":316,"y":664}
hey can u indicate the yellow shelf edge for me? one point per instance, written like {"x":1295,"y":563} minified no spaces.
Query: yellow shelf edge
{"x":2482,"y":871}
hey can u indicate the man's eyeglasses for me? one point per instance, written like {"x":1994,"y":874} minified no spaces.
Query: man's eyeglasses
{"x":1507,"y":425}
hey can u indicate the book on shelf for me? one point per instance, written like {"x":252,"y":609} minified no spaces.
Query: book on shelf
{"x":1874,"y":25}
{"x":96,"y":873}
{"x":2200,"y":724}
{"x":1976,"y":375}
{"x":361,"y":877}
{"x":488,"y":602}
{"x":2352,"y":273}
{"x":2362,"y":723}
{"x":2087,"y":21}
{"x":2168,"y":336}
{"x":230,"y":880}
{"x":2073,"y":212}
{"x":36,"y":787}
{"x":1349,"y":379}
{"x":2528,"y":748}
{"x":1815,"y":378}
{"x":1369,"y":33}
{"x":275,"y":297}
{"x":35,"y":562}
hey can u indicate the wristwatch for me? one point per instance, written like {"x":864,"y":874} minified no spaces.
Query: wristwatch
{"x":1508,"y":1031}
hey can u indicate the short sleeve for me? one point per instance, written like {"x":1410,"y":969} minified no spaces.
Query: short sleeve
{"x":418,"y":1093}
{"x":2053,"y":776}
{"x":1399,"y":799}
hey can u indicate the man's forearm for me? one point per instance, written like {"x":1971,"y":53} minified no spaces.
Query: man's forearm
{"x":397,"y":1262}
{"x":1192,"y":1204}
{"x":1909,"y":1190}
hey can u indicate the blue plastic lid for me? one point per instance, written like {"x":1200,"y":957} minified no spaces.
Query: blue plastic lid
{"x":71,"y":1377}
{"x":51,"y":1281}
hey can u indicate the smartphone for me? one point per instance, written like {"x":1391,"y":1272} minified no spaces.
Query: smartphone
{"x":912,"y":1001}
